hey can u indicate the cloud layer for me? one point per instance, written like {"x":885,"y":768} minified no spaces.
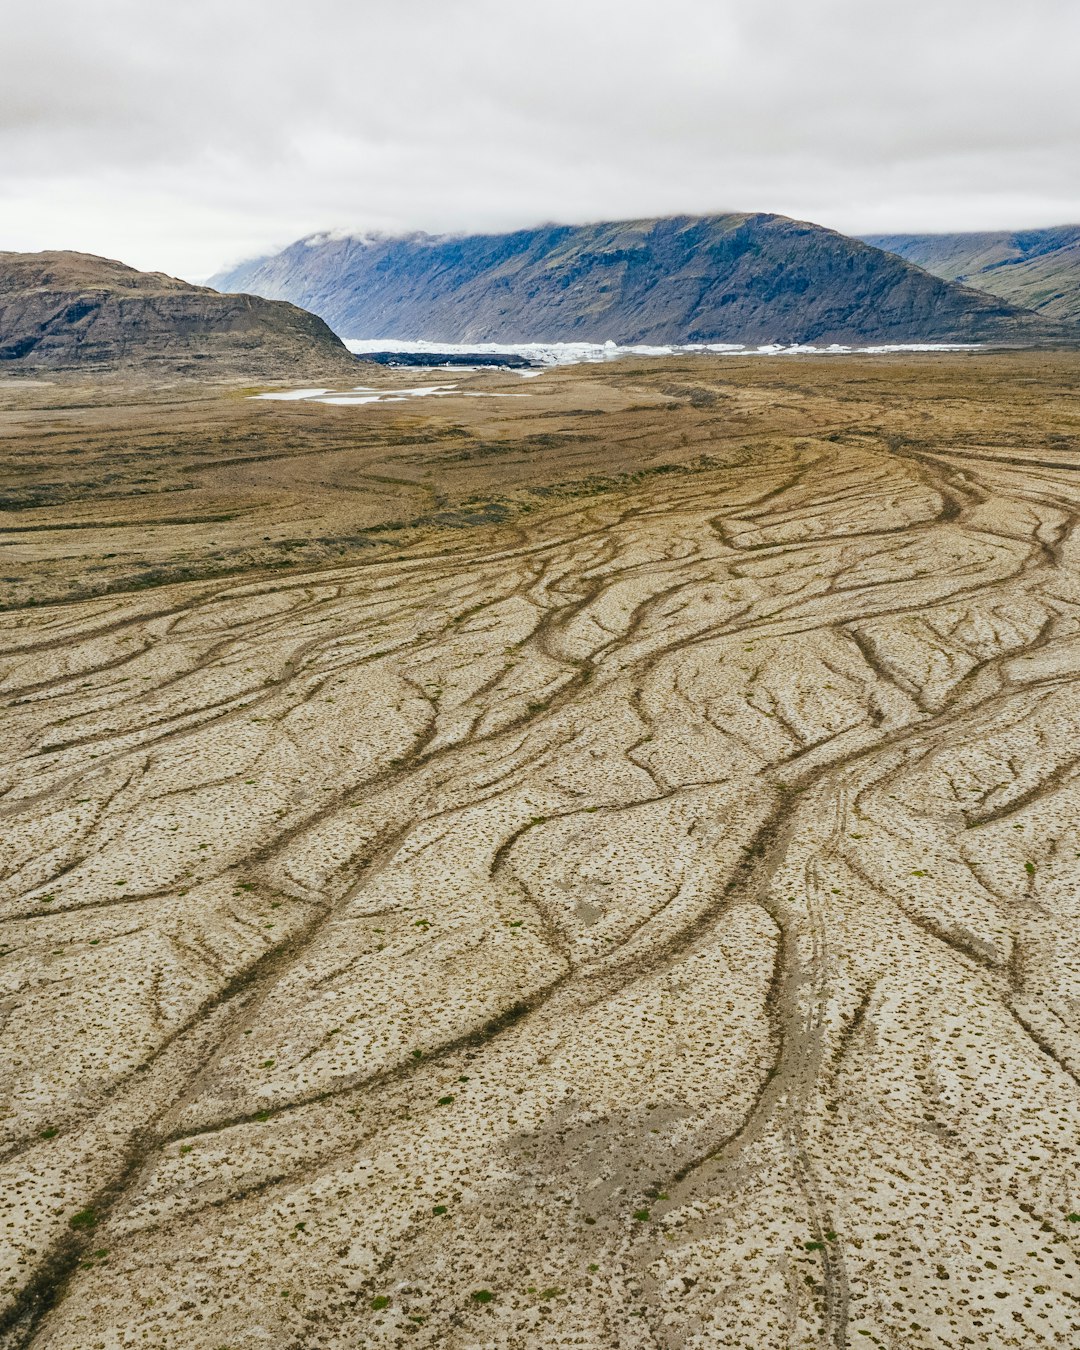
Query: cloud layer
{"x":183,"y":137}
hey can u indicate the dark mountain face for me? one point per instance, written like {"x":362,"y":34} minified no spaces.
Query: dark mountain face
{"x":60,"y":310}
{"x":1039,"y":269}
{"x":732,"y":278}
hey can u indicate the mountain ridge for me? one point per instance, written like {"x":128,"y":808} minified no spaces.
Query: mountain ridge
{"x":733,"y":277}
{"x":1039,"y":269}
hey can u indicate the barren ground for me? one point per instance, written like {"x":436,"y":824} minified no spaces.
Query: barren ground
{"x":599,"y":868}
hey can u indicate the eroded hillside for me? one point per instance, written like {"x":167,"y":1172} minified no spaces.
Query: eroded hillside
{"x":642,"y":912}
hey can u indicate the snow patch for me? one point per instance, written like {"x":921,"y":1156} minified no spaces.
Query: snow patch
{"x":363,"y":393}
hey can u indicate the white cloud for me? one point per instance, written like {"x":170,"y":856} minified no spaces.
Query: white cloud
{"x":185,"y":136}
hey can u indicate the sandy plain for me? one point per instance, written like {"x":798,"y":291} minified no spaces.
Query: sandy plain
{"x":594,"y":869}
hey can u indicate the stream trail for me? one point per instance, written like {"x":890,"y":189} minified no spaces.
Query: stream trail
{"x":655,"y":927}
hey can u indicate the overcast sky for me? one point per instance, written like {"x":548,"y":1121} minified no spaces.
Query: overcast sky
{"x":182,"y":136}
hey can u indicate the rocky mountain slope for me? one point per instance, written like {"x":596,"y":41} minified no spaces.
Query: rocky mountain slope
{"x":745,"y":278}
{"x":1039,"y":269}
{"x":64,"y":309}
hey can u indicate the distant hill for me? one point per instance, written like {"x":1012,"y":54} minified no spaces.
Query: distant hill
{"x":729,"y":278}
{"x":64,"y":309}
{"x":1039,"y":269}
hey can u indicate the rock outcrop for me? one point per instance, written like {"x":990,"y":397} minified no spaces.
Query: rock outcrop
{"x":60,"y":310}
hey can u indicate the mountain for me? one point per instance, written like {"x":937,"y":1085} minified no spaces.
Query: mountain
{"x":737,"y":278}
{"x":1039,"y":269}
{"x":65,"y":309}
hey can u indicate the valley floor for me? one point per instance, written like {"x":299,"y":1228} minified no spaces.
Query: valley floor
{"x":599,"y":869}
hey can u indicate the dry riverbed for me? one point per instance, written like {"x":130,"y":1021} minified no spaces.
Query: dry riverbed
{"x":598,"y":868}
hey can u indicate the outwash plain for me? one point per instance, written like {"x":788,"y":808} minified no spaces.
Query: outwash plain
{"x":598,"y":867}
